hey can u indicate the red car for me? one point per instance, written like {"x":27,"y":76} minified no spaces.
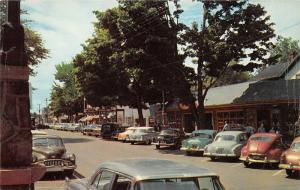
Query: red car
{"x":264,"y":148}
{"x":290,"y":159}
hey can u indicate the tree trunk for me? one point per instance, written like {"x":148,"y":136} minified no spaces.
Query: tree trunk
{"x":140,"y":112}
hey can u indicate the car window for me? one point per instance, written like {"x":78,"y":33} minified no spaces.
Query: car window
{"x":45,"y":142}
{"x":103,"y":180}
{"x":243,"y":138}
{"x":225,"y":138}
{"x":295,"y":146}
{"x":121,"y":183}
{"x":262,"y":139}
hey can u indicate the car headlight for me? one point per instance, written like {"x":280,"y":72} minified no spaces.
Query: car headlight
{"x":206,"y":148}
{"x":34,"y":159}
{"x":72,"y":157}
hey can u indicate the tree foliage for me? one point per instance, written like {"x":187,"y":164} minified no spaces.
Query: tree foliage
{"x":66,"y":97}
{"x":284,"y":47}
{"x":230,"y":31}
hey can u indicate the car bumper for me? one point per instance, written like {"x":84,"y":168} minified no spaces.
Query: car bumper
{"x":289,"y":167}
{"x":191,"y":149}
{"x":59,"y":168}
{"x":247,"y":159}
{"x":163,"y":144}
{"x":219,"y":155}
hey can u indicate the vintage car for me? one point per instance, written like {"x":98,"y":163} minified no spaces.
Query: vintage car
{"x":171,"y":137}
{"x":226,"y":144}
{"x":124,"y":135}
{"x":144,"y":135}
{"x":50,"y":151}
{"x":87,"y":130}
{"x":75,"y":127}
{"x":93,"y":130}
{"x":147,"y":174}
{"x":116,"y":133}
{"x":265,"y":148}
{"x":108,"y":130}
{"x":198,"y":140}
{"x":290,"y":159}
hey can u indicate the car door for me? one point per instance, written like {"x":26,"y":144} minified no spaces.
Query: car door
{"x":102,"y":180}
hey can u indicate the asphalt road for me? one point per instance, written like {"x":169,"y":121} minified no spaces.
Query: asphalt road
{"x":91,"y":151}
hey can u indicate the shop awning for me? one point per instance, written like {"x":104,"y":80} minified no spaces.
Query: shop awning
{"x":83,"y":119}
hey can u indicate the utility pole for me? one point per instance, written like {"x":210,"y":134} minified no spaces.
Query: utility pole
{"x":39,"y":114}
{"x":46,"y":111}
{"x":16,"y":169}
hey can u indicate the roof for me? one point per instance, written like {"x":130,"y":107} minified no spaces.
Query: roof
{"x":143,"y":169}
{"x":274,"y":135}
{"x":278,"y":70}
{"x":225,"y":94}
{"x":278,"y":90}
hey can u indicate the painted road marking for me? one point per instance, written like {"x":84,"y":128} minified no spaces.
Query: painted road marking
{"x":277,"y":173}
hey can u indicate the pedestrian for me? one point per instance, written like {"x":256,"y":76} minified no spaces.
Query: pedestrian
{"x":261,"y":128}
{"x":249,"y":130}
{"x":272,"y":130}
{"x":226,"y":127}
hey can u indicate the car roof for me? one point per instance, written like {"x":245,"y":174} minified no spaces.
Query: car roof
{"x":144,"y":128}
{"x":171,"y":129}
{"x":145,"y":169}
{"x":45,"y":136}
{"x":38,"y":132}
{"x":274,"y":135}
{"x":230,"y":133}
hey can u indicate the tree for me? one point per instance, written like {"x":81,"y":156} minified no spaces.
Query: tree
{"x":65,"y":96}
{"x":34,"y":46}
{"x":230,"y":31}
{"x":284,"y":47}
{"x":131,"y":59}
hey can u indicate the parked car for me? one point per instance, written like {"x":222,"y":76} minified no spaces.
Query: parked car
{"x":264,"y":148}
{"x":89,"y":129}
{"x":116,"y":133}
{"x":147,"y":174}
{"x":198,"y":140}
{"x":226,"y":144}
{"x":144,"y":135}
{"x":290,"y":159}
{"x":171,"y":137}
{"x":76,"y":127}
{"x":64,"y":126}
{"x":108,"y":130}
{"x":124,"y":135}
{"x":50,"y":151}
{"x":95,"y":131}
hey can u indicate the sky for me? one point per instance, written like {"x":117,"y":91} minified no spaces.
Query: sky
{"x":66,"y":24}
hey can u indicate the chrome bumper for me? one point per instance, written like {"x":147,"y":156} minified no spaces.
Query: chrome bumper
{"x":247,"y":159}
{"x":218,"y":155}
{"x":163,"y":144}
{"x":192,"y":149}
{"x":289,"y":167}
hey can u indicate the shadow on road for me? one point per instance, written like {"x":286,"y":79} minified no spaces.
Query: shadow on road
{"x":75,"y":140}
{"x":55,"y":177}
{"x":166,"y":150}
{"x":227,"y":160}
{"x":263,"y":167}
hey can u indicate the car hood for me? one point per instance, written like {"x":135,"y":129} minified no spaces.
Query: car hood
{"x":50,"y":152}
{"x":77,"y":184}
{"x":258,"y":147}
{"x":292,"y":157}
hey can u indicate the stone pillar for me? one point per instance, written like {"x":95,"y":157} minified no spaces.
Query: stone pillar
{"x":15,"y":134}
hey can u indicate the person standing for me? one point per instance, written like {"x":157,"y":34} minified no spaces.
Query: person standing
{"x":226,"y":127}
{"x":261,"y":128}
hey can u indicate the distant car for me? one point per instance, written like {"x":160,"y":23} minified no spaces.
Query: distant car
{"x":64,"y":126}
{"x":171,"y":137}
{"x":75,"y":127}
{"x":198,"y":140}
{"x":290,"y":159}
{"x":95,"y":131}
{"x":108,"y":130}
{"x":147,"y":174}
{"x":50,"y":151}
{"x":116,"y":133}
{"x":42,"y":126}
{"x":89,"y":129}
{"x":124,"y":135}
{"x":264,"y":148}
{"x":144,"y":135}
{"x":226,"y":144}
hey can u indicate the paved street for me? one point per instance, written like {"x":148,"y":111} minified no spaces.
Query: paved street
{"x":91,"y":151}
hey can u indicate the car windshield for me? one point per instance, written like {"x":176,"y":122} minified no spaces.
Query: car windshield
{"x":45,"y":142}
{"x":296,"y":146}
{"x":167,"y":132}
{"x":203,"y":183}
{"x":225,"y":138}
{"x":262,"y":139}
{"x":141,"y":131}
{"x":202,"y":135}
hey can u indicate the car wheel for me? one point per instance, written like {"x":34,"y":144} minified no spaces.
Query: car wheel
{"x":289,"y":173}
{"x":274,"y":165}
{"x":157,"y":146}
{"x":124,"y":141}
{"x":132,"y":142}
{"x":188,"y":153}
{"x":246,"y":164}
{"x":149,"y":142}
{"x":212,"y":158}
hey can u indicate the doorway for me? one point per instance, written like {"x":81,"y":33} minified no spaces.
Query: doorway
{"x":264,"y":116}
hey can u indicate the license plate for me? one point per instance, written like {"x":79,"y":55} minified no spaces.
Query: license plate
{"x":54,"y":169}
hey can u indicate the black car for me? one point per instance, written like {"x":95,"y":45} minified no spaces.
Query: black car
{"x":171,"y":137}
{"x":108,"y":130}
